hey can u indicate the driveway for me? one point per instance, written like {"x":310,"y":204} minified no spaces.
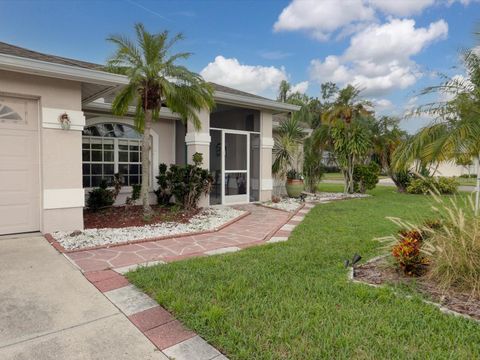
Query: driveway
{"x":48,"y":310}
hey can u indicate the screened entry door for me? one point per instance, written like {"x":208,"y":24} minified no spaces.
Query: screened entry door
{"x":235,"y":167}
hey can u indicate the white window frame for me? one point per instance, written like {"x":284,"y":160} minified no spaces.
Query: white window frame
{"x":154,"y":142}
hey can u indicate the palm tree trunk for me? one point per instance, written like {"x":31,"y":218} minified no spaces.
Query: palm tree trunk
{"x":147,"y":210}
{"x":477,"y":195}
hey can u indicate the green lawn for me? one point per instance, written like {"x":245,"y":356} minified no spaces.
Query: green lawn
{"x":339,"y":176}
{"x":467,"y":181}
{"x":292,"y":300}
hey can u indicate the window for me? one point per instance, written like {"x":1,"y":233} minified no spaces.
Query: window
{"x":7,"y":113}
{"x":111,"y":148}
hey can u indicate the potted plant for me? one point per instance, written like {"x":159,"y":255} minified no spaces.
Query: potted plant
{"x":286,"y":154}
{"x":294,"y":185}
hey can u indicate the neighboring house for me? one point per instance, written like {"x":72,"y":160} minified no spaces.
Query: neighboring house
{"x":45,"y":170}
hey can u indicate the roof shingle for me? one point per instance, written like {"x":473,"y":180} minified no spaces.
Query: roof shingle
{"x":13,"y":50}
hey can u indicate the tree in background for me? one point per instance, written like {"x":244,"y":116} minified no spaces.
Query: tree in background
{"x":155,"y":80}
{"x":454,"y":135}
{"x":387,"y":137}
{"x":283,"y":91}
{"x":346,"y":132}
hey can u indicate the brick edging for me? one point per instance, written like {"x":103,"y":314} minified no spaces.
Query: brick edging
{"x":61,"y":249}
{"x":275,"y":230}
{"x":107,"y":281}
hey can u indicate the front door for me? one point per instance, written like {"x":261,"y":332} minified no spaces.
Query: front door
{"x":235,"y":167}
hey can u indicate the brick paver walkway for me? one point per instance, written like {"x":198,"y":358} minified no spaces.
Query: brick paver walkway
{"x":156,"y":323}
{"x":255,"y":228}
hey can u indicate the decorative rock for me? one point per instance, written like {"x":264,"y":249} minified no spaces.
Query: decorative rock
{"x":207,"y":220}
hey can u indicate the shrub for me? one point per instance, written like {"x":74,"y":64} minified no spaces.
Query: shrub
{"x":136,"y":189}
{"x":183,"y":184}
{"x":332,"y":169}
{"x":428,"y":185}
{"x":468,"y":176}
{"x":454,"y":246}
{"x":365,"y":177}
{"x":407,"y":253}
{"x":100,"y":197}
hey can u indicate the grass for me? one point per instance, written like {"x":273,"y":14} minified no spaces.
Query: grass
{"x":292,"y":300}
{"x":339,"y":176}
{"x":466,"y":181}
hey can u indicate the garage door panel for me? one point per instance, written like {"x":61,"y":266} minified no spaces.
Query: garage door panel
{"x":20,"y":216}
{"x":15,"y":146}
{"x":15,"y":180}
{"x":19,"y":166}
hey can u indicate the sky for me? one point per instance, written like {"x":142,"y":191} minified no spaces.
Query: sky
{"x":390,"y":49}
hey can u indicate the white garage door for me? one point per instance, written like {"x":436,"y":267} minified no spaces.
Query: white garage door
{"x":19,"y":166}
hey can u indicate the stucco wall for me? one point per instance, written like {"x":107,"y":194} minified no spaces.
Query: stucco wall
{"x":60,"y":149}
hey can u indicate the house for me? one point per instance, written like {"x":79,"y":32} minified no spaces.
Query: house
{"x":47,"y":167}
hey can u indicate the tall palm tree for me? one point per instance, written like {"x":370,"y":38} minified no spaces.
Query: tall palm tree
{"x":454,"y":134}
{"x":347,"y":132}
{"x":156,"y":80}
{"x":283,"y":90}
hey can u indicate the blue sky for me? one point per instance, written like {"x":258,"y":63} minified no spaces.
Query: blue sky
{"x":391,"y":49}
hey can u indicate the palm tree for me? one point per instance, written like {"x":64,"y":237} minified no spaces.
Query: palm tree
{"x":347,"y":132}
{"x":454,"y":135}
{"x":287,"y":144}
{"x":387,"y":137}
{"x":283,"y":91}
{"x":156,"y":80}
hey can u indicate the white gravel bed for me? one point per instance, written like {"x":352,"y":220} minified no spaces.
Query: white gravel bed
{"x":291,"y":204}
{"x":207,"y":220}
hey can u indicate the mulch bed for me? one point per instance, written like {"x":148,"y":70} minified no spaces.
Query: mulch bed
{"x":380,"y":272}
{"x":124,"y":216}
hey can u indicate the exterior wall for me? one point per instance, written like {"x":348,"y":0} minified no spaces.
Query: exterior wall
{"x":266,"y":134}
{"x":61,"y":170}
{"x":451,"y":169}
{"x":199,"y":141}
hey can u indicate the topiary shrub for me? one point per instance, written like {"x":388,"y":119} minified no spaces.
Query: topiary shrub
{"x":365,"y":177}
{"x":438,"y":185}
{"x":183,"y":184}
{"x":100,"y":197}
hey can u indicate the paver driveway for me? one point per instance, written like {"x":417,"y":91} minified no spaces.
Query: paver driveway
{"x":48,"y":310}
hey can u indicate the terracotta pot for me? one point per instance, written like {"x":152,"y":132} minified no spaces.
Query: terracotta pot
{"x":294,"y":187}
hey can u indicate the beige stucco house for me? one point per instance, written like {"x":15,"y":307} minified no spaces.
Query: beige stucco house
{"x":46,"y":170}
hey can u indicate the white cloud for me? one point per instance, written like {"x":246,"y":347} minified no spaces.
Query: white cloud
{"x":301,"y":87}
{"x":401,"y":7}
{"x":378,"y":58}
{"x":322,"y":17}
{"x":250,"y":78}
{"x":382,"y":103}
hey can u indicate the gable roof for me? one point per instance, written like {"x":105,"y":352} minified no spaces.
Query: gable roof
{"x":223,"y":93}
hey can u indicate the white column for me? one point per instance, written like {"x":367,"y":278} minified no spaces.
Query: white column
{"x":266,"y":182}
{"x":199,"y":141}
